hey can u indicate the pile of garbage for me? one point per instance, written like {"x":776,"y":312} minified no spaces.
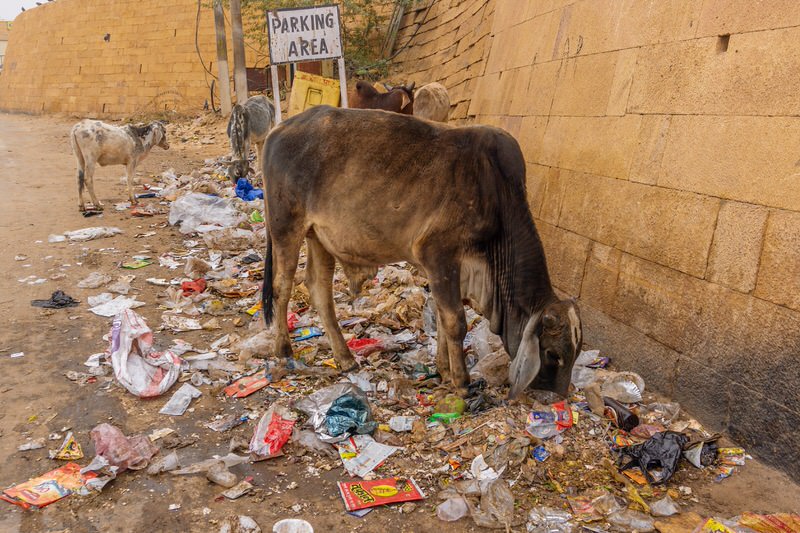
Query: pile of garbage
{"x":610,"y":457}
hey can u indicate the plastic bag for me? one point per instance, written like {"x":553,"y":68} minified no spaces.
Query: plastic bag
{"x":349,"y":414}
{"x":309,"y":440}
{"x":246,"y":191}
{"x":260,"y":344}
{"x":273,"y":431}
{"x":197,"y":212}
{"x":452,"y":509}
{"x":493,"y":368}
{"x":94,"y":280}
{"x":664,"y":507}
{"x":497,"y":506}
{"x":239,"y":524}
{"x":484,"y":342}
{"x":662,"y":450}
{"x":137,"y":367}
{"x":89,"y":234}
{"x":318,"y":404}
{"x":131,"y":453}
{"x":548,"y":520}
{"x":631,"y":521}
{"x":546,"y":424}
{"x":229,"y":239}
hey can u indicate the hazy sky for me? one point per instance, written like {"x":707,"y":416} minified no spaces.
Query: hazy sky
{"x":9,"y":9}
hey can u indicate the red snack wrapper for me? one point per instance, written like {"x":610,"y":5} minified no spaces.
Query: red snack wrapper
{"x":364,"y":494}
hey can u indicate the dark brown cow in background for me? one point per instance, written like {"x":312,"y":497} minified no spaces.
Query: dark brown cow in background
{"x":399,"y":98}
{"x":452,"y":202}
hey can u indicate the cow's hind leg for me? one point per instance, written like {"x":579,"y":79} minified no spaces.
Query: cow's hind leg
{"x":89,"y":179}
{"x":319,"y":277}
{"x":451,"y":323}
{"x":81,"y":185}
{"x":285,"y":251}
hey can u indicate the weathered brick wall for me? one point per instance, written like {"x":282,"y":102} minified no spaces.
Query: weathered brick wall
{"x":662,"y":141}
{"x":57,"y":60}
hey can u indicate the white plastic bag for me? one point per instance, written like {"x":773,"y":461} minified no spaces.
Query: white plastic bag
{"x":197,"y":212}
{"x":137,"y":367}
{"x":89,"y":234}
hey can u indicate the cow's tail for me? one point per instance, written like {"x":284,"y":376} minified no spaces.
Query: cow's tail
{"x":267,"y":291}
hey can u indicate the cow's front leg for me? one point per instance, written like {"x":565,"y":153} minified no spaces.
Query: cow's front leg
{"x":130,"y":172}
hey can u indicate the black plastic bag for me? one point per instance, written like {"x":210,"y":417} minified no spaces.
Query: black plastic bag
{"x":662,"y":450}
{"x":57,"y":301}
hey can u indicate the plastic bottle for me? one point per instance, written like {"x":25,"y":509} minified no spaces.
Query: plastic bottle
{"x":621,"y":416}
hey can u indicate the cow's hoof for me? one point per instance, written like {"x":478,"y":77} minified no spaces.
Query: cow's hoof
{"x":81,"y":208}
{"x":346,"y":365}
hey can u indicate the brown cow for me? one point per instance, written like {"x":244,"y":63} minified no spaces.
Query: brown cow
{"x":452,"y":202}
{"x":399,"y":99}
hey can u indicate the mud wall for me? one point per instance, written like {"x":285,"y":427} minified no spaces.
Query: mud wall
{"x":58,"y":60}
{"x":662,"y":143}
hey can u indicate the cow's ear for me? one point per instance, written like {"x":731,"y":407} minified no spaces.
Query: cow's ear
{"x":410,"y":86}
{"x":405,"y":100}
{"x":527,"y":361}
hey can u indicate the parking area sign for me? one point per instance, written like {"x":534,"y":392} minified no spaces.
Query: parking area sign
{"x":304,"y":34}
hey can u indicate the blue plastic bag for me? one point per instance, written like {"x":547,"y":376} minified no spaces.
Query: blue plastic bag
{"x":246,"y":191}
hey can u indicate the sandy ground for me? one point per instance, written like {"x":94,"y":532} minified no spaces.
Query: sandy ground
{"x":39,"y":198}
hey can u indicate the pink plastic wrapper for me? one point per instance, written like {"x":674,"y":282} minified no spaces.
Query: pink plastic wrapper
{"x":131,"y":453}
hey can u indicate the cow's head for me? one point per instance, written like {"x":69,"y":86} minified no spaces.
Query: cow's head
{"x":159,"y":132}
{"x":407,"y":92}
{"x":550,"y":344}
{"x":238,"y":168}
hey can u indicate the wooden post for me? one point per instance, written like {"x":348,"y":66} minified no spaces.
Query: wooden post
{"x":276,"y":93}
{"x":342,"y":82}
{"x":222,"y":60}
{"x":239,"y":61}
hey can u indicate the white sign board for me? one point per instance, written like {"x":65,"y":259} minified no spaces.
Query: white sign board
{"x":304,"y":34}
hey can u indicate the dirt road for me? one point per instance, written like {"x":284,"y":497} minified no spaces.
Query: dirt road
{"x":39,"y":198}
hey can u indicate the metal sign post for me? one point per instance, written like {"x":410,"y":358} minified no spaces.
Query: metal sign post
{"x":297,"y":35}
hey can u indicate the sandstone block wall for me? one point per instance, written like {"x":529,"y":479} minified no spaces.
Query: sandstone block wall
{"x":57,"y":59}
{"x":662,"y":141}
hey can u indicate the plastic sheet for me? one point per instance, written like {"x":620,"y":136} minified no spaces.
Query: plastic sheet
{"x":197,"y":212}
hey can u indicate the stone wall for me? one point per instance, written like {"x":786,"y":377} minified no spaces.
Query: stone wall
{"x":58,"y":60}
{"x":445,"y":42}
{"x":662,"y":141}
